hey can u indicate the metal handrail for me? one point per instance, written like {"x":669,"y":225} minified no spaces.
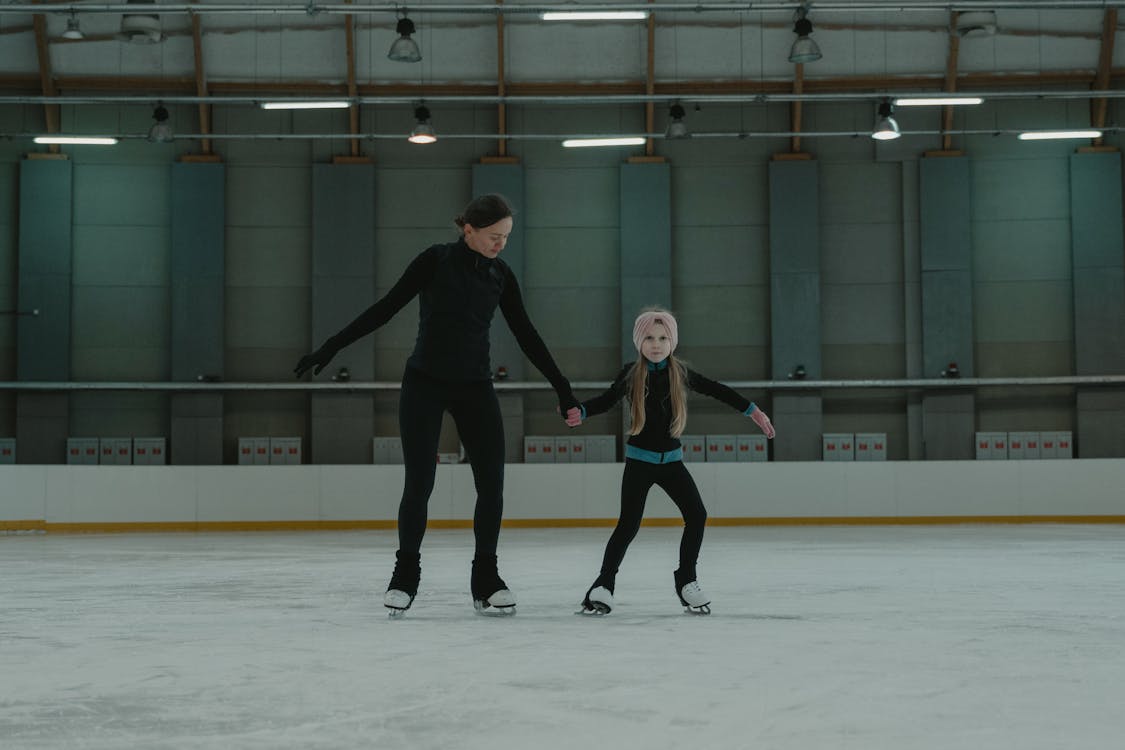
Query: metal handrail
{"x":514,"y":385}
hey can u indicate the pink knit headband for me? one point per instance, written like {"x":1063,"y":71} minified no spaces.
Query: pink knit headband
{"x":646,"y":320}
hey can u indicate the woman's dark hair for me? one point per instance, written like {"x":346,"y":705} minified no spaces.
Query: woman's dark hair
{"x":484,"y":211}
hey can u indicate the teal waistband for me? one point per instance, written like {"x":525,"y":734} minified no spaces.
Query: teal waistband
{"x":654,"y":457}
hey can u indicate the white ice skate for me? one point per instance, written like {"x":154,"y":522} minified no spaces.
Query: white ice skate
{"x":599,"y":602}
{"x":502,"y":603}
{"x":397,"y":602}
{"x":694,"y":600}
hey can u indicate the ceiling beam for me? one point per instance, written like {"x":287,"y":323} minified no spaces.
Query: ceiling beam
{"x":951,"y":60}
{"x":796,"y":110}
{"x":1105,"y":65}
{"x":51,"y":115}
{"x":349,"y":51}
{"x":201,"y":83}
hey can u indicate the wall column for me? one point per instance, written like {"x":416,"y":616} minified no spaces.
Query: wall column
{"x":949,"y":417}
{"x":1097,"y":240}
{"x":343,"y":284}
{"x":43,"y":339}
{"x":198,"y":278}
{"x":795,"y":336}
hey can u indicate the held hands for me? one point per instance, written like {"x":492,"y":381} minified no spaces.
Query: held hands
{"x":570,"y":410}
{"x":763,"y":421}
{"x":317,"y":360}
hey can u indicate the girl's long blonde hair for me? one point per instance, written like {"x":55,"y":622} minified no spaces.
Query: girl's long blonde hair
{"x":677,"y":382}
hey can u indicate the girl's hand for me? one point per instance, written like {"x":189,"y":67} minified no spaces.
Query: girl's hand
{"x":763,"y":421}
{"x":573,"y":416}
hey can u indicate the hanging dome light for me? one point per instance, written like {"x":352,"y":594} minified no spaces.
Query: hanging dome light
{"x":423,"y":132}
{"x":141,"y":28}
{"x":886,"y":128}
{"x":404,"y":49}
{"x":73,"y":30}
{"x":161,"y":130}
{"x":676,"y":126}
{"x":804,"y":49}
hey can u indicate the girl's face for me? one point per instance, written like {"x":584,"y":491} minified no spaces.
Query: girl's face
{"x":656,"y":345}
{"x":490,"y":240}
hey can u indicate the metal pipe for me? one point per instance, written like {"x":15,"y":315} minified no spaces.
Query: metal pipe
{"x":527,"y":136}
{"x":768,"y":385}
{"x":312,"y":9}
{"x":560,"y":99}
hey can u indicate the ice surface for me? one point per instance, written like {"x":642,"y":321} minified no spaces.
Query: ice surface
{"x":838,"y":637}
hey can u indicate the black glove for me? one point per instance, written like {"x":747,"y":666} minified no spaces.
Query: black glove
{"x":317,"y":360}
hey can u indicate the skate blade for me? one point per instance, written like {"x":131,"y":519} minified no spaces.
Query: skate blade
{"x":487,"y":610}
{"x":704,"y":609}
{"x":595,"y":610}
{"x":395,"y":614}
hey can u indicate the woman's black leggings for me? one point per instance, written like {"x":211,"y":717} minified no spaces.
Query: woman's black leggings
{"x":637,"y":480}
{"x":476,"y":412}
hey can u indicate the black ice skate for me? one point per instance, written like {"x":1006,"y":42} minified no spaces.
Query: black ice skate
{"x":599,"y":599}
{"x":404,"y":584}
{"x":490,"y":594}
{"x":691,"y":595}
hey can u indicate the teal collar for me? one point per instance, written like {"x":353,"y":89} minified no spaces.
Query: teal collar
{"x":654,"y":366}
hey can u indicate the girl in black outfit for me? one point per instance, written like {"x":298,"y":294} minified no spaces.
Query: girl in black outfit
{"x":656,"y":385}
{"x":459,"y":286}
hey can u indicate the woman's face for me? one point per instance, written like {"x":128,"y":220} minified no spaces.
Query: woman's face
{"x":490,"y":240}
{"x":656,"y":345}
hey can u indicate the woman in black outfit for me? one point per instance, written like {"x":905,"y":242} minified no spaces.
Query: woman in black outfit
{"x":459,"y":286}
{"x":656,"y":386}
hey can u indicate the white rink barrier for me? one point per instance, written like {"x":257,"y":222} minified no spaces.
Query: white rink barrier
{"x":170,"y":498}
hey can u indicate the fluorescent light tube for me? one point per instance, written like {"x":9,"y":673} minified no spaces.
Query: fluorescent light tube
{"x":75,"y":140}
{"x":599,"y":15}
{"x":1057,"y":135}
{"x":306,"y":105}
{"x":592,"y":142}
{"x":938,"y":101}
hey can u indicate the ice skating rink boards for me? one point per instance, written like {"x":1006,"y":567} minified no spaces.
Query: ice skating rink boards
{"x":936,"y":636}
{"x":194,"y":498}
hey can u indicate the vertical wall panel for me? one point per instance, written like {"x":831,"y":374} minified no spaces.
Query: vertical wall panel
{"x":509,"y":181}
{"x":198,"y":224}
{"x":1098,"y":257}
{"x":947,"y":291}
{"x":795,"y":335}
{"x":46,"y":206}
{"x":646,"y":243}
{"x":343,"y":285}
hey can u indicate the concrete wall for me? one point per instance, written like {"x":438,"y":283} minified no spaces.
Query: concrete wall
{"x":1023,"y":320}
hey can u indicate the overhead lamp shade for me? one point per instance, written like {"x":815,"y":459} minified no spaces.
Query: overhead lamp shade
{"x":161,"y":130}
{"x":676,"y":126}
{"x":140,"y":29}
{"x":677,"y":129}
{"x":886,"y":129}
{"x":404,"y":49}
{"x":423,"y":132}
{"x":73,"y":30}
{"x":804,"y":50}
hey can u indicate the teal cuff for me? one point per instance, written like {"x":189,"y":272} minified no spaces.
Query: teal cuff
{"x":750,"y":409}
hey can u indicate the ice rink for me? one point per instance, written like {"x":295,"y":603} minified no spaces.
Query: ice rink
{"x":893,"y":637}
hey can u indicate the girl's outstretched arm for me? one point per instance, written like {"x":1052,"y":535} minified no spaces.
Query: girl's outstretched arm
{"x":716,"y":390}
